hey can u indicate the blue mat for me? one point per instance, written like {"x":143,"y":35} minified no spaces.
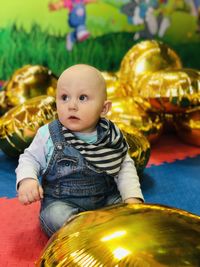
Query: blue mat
{"x":174,"y":184}
{"x":7,"y":176}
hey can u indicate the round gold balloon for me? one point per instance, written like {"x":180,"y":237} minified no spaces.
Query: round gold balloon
{"x":19,"y":125}
{"x":143,"y":58}
{"x":126,"y":235}
{"x":188,"y":126}
{"x":130,"y":113}
{"x":27,"y":82}
{"x":170,"y":90}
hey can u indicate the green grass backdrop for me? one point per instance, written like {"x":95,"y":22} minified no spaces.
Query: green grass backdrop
{"x":31,"y":34}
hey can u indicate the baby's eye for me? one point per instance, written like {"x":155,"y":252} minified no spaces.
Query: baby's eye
{"x":83,"y":97}
{"x":65,"y":97}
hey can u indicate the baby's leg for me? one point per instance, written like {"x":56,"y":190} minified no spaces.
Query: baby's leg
{"x":55,"y":215}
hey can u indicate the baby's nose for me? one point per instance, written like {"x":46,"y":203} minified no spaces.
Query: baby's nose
{"x":73,"y":104}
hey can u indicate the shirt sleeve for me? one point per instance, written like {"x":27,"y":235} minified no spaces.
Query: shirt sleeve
{"x":128,"y":181}
{"x":33,"y":160}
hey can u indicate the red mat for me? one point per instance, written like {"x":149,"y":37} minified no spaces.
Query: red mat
{"x":21,"y":240}
{"x":169,"y":148}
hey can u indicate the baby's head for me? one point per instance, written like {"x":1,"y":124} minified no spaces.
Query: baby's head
{"x":81,"y":98}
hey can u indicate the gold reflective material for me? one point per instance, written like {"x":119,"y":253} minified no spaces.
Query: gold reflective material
{"x":109,"y":76}
{"x":115,"y":89}
{"x":146,"y":57}
{"x":139,"y":146}
{"x":130,"y":113}
{"x":126,"y":235}
{"x":3,"y":104}
{"x":188,"y":126}
{"x":27,"y":82}
{"x":170,"y":90}
{"x":113,"y":86}
{"x":19,"y":125}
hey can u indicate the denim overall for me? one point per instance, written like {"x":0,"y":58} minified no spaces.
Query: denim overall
{"x":71,"y":185}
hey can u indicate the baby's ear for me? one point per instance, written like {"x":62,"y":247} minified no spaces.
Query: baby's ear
{"x":106,"y":107}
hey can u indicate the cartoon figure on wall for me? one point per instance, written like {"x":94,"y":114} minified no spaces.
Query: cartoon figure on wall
{"x":155,"y":15}
{"x":142,"y":13}
{"x":198,"y":19}
{"x":76,"y":19}
{"x":195,"y":11}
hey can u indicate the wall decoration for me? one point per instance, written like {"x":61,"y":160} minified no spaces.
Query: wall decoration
{"x":59,"y":33}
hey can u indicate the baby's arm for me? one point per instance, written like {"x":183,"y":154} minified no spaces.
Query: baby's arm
{"x":31,"y":162}
{"x":128,"y":182}
{"x":29,"y":191}
{"x":133,"y":200}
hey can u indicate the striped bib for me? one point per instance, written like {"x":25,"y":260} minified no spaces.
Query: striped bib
{"x":107,"y":153}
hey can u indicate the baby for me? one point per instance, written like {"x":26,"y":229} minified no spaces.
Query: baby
{"x":82,"y":158}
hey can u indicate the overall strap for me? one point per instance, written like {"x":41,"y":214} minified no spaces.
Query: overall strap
{"x":55,"y":130}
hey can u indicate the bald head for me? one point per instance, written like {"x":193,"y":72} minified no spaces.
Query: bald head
{"x":81,"y":98}
{"x":85,"y":76}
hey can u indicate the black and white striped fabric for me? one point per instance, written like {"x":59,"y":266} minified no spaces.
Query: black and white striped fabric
{"x":107,"y":153}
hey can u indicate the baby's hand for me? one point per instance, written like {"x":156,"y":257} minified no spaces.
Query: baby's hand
{"x":29,"y":191}
{"x":133,"y":200}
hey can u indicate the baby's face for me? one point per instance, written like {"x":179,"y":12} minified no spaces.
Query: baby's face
{"x":81,"y":98}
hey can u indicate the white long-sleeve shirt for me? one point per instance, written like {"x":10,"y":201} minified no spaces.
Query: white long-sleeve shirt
{"x":34,"y":161}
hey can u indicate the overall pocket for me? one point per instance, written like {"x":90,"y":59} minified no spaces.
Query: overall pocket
{"x":66,"y":165}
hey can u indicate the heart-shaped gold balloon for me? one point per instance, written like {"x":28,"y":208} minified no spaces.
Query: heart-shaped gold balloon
{"x":27,"y":82}
{"x":143,"y":58}
{"x":126,"y":235}
{"x":19,"y":125}
{"x":170,"y":91}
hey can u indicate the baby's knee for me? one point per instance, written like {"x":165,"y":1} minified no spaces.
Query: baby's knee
{"x":54,"y":216}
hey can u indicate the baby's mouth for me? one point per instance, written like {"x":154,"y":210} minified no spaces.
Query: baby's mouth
{"x":73,"y":118}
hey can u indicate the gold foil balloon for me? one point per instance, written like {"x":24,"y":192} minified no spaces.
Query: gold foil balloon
{"x":19,"y":125}
{"x":126,"y":235}
{"x":113,"y":86}
{"x":110,"y":76}
{"x":143,"y":58}
{"x":188,"y":126}
{"x":3,"y":104}
{"x":25,"y":83}
{"x":130,"y":113}
{"x":139,"y":146}
{"x":170,"y":90}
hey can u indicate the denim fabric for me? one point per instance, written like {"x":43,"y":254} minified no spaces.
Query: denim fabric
{"x":71,"y":185}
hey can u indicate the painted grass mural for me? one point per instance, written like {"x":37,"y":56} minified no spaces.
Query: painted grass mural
{"x":34,"y":33}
